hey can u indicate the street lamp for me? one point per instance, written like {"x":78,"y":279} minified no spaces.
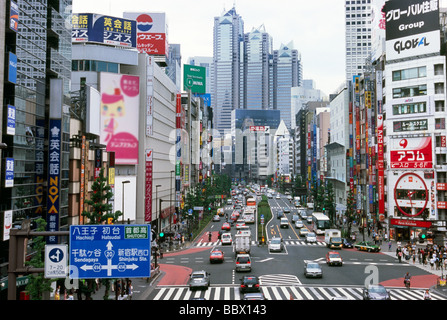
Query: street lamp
{"x":124,"y":182}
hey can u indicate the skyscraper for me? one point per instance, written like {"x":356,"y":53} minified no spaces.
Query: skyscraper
{"x":358,"y":35}
{"x":228,"y":39}
{"x":287,"y":73}
{"x":258,"y":51}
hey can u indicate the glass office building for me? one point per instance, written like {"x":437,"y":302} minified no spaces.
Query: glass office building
{"x":258,"y":52}
{"x":40,"y":43}
{"x":287,"y":73}
{"x":228,"y":42}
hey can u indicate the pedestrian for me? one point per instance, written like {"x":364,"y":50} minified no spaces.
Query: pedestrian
{"x":389,"y":245}
{"x":413,"y":254}
{"x":70,"y":295}
{"x":129,"y":289}
{"x":57,"y":294}
{"x":427,"y":295}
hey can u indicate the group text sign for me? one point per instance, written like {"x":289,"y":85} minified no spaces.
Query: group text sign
{"x":412,"y":28}
{"x":110,"y":251}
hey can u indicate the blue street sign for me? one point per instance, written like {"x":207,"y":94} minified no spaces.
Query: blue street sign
{"x":110,"y":251}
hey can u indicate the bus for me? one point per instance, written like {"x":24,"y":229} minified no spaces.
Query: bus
{"x":251,"y":202}
{"x":320,"y":222}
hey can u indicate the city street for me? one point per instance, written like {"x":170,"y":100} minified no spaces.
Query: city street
{"x":281,"y":273}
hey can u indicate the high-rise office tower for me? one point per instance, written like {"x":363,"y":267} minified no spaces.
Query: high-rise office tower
{"x":258,"y":51}
{"x":287,"y":73}
{"x":228,"y":42}
{"x":35,"y":151}
{"x":358,"y":35}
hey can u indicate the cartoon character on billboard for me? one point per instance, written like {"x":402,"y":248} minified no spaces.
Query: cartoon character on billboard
{"x":119,"y":116}
{"x":112,"y":106}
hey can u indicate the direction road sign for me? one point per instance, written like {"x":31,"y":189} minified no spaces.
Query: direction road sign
{"x":110,"y":251}
{"x":56,"y":261}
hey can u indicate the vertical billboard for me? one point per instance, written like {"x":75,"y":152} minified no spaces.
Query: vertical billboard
{"x":89,"y":27}
{"x":151,"y":32}
{"x":148,"y":193}
{"x":120,"y":97}
{"x":412,"y":28}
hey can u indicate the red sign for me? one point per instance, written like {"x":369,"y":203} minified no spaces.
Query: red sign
{"x":148,"y":193}
{"x":410,"y":223}
{"x":411,"y":153}
{"x":442,"y":205}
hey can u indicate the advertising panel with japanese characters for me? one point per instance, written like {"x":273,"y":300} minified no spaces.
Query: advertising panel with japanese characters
{"x":151,"y":32}
{"x":120,"y":97}
{"x":89,"y":27}
{"x":411,"y":153}
{"x":412,"y":28}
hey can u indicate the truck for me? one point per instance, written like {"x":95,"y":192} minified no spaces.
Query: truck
{"x":332,"y":238}
{"x":242,"y":244}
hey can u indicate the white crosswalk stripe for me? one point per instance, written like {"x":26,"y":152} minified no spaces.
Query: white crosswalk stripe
{"x":253,"y":243}
{"x":284,"y":292}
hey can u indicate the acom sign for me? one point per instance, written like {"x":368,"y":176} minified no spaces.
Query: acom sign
{"x":412,"y":28}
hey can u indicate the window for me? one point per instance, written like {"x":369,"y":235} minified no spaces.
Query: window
{"x":412,"y":73}
{"x":414,"y":91}
{"x":409,"y":108}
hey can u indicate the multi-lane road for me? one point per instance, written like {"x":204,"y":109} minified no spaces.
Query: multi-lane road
{"x":281,"y":274}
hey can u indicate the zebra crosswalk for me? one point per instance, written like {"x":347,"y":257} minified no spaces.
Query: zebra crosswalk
{"x":286,"y":242}
{"x":283,"y":292}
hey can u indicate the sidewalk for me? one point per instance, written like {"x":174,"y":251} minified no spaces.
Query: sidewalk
{"x":392,"y":252}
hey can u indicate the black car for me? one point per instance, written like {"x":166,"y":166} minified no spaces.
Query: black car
{"x":280,"y":214}
{"x":347,"y":243}
{"x":249,"y":284}
{"x":376,"y":292}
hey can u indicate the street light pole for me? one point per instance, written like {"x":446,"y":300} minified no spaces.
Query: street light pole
{"x":124,"y":182}
{"x":123,"y":282}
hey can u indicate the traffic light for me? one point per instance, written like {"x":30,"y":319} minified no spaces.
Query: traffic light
{"x":161,"y":236}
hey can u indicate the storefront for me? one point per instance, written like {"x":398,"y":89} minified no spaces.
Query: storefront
{"x":408,"y":229}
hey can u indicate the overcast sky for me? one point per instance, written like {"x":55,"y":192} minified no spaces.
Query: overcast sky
{"x":316,"y":28}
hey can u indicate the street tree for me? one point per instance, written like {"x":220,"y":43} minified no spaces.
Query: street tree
{"x":100,"y":211}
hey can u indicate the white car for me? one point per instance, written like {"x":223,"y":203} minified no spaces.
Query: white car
{"x":276,"y":244}
{"x":278,"y":196}
{"x":226,"y":238}
{"x":299,"y":224}
{"x":311,"y":237}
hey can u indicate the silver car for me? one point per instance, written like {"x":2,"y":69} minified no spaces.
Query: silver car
{"x":311,"y":237}
{"x":312,"y":269}
{"x":199,"y":279}
{"x":299,"y":224}
{"x":276,"y":244}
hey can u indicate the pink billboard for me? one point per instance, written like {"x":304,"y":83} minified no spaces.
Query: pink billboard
{"x":120,"y":97}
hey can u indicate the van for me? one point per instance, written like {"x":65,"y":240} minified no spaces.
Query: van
{"x":284,"y":223}
{"x":243,"y":262}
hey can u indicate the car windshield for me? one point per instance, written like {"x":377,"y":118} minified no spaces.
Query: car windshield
{"x":276,"y":241}
{"x":376,"y":289}
{"x":313,"y":265}
{"x":311,"y":234}
{"x":215,"y":253}
{"x":334,"y":255}
{"x":197,"y":275}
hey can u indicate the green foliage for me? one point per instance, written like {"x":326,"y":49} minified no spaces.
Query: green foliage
{"x":37,"y":283}
{"x":101,"y":209}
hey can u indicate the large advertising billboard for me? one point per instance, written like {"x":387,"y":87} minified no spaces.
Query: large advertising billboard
{"x":151,"y":32}
{"x":120,"y":97}
{"x":90,"y":27}
{"x":411,"y":153}
{"x":412,"y":28}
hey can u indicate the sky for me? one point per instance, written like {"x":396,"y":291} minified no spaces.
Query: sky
{"x":315,"y":27}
